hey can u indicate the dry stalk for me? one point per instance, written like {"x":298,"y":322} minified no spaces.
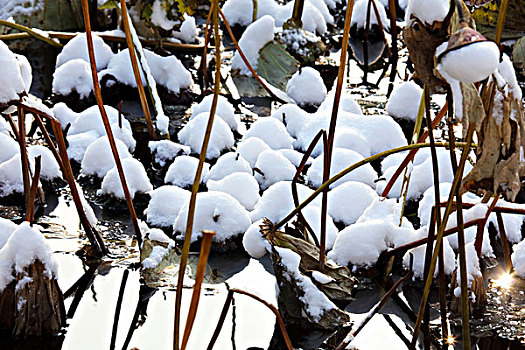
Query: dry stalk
{"x":23,"y":155}
{"x":30,"y":211}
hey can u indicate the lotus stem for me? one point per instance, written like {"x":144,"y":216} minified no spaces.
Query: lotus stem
{"x":205,"y":51}
{"x":136,"y":72}
{"x":31,"y":32}
{"x":109,"y":132}
{"x":504,"y":243}
{"x":502,"y":15}
{"x":30,"y":212}
{"x":23,"y":155}
{"x":197,"y":180}
{"x":395,"y":55}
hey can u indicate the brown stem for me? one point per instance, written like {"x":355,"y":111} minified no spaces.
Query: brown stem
{"x":30,"y":212}
{"x":222,"y":318}
{"x":245,"y":60}
{"x":14,"y":129}
{"x":199,"y":276}
{"x":197,"y":179}
{"x":478,"y":243}
{"x":49,"y":142}
{"x":109,"y":132}
{"x":395,"y":56}
{"x":23,"y":155}
{"x":504,"y":243}
{"x":136,"y":71}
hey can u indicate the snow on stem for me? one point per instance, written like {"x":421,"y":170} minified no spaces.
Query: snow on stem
{"x":199,"y":276}
{"x":109,"y":131}
{"x":132,"y":49}
{"x":439,"y":237}
{"x":31,"y":32}
{"x":196,"y":182}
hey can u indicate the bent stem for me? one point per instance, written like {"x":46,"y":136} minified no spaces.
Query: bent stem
{"x":199,"y":276}
{"x":107,"y":126}
{"x":439,"y":238}
{"x":197,"y":179}
{"x":32,"y":33}
{"x":136,"y":72}
{"x":352,"y":168}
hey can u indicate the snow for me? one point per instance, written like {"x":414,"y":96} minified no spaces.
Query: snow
{"x":359,"y":14}
{"x":136,"y":179}
{"x":158,"y":235}
{"x":78,"y":143}
{"x":11,"y":81}
{"x":250,"y":148}
{"x":473,"y":269}
{"x":98,"y":159}
{"x":50,"y":169}
{"x":241,"y":185}
{"x":253,"y":242}
{"x":295,"y":157}
{"x":88,"y":210}
{"x":227,"y":164}
{"x":159,"y":16}
{"x":471,"y":63}
{"x":188,"y":30}
{"x":321,"y":277}
{"x":254,"y":38}
{"x":18,"y":8}
{"x":404,"y":101}
{"x":77,"y":48}
{"x":215,"y":211}
{"x":167,"y":71}
{"x":8,"y":146}
{"x":347,"y":202}
{"x":74,"y":75}
{"x":508,"y":76}
{"x":224,"y":110}
{"x":317,"y":303}
{"x":419,"y":254}
{"x":341,"y":159}
{"x":427,"y":11}
{"x":155,"y":257}
{"x":182,"y":171}
{"x":313,"y":216}
{"x":306,"y":87}
{"x":518,"y":259}
{"x":292,"y":116}
{"x":273,"y":167}
{"x":351,"y":139}
{"x":25,"y":70}
{"x":346,"y":103}
{"x":165,"y":204}
{"x":192,"y":134}
{"x":7,"y":227}
{"x":277,"y":201}
{"x":166,"y":150}
{"x":25,"y":245}
{"x":255,"y":279}
{"x":272,"y":132}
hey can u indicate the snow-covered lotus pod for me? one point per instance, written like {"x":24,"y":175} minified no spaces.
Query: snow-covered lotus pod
{"x":469,"y":56}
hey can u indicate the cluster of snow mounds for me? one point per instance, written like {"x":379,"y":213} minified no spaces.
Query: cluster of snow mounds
{"x":404,"y":101}
{"x":15,"y":75}
{"x":359,"y":14}
{"x":21,"y":247}
{"x":306,"y":87}
{"x":167,"y":71}
{"x":315,"y":16}
{"x":11,"y":179}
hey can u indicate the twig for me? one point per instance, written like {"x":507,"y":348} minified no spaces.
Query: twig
{"x":197,"y":179}
{"x":31,"y":32}
{"x":30,"y":214}
{"x":199,"y":276}
{"x":109,"y":132}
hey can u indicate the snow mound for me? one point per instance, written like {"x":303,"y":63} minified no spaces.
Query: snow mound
{"x":250,"y":148}
{"x":346,"y":104}
{"x":349,"y":138}
{"x":11,"y":81}
{"x":7,"y":227}
{"x":50,"y":169}
{"x":277,"y":201}
{"x":74,"y":75}
{"x":227,"y":164}
{"x":8,"y":146}
{"x":167,"y":71}
{"x":419,"y":258}
{"x":188,"y":31}
{"x":136,"y":179}
{"x":306,"y":87}
{"x":341,"y":159}
{"x":254,"y":38}
{"x":192,"y":134}
{"x":215,"y":211}
{"x":224,"y":110}
{"x":518,"y":258}
{"x":25,"y":245}
{"x":292,"y":116}
{"x":241,"y":185}
{"x":254,"y":243}
{"x":77,"y":48}
{"x":165,"y":204}
{"x":313,"y":216}
{"x":295,"y":157}
{"x":182,"y":171}
{"x":166,"y":150}
{"x":273,"y":167}
{"x":359,"y":14}
{"x":272,"y":132}
{"x":404,"y":101}
{"x":427,"y":11}
{"x":347,"y":202}
{"x":98,"y":158}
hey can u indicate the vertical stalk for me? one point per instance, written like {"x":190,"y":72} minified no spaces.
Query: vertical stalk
{"x":205,"y":50}
{"x":117,"y":309}
{"x":107,"y":126}
{"x":30,"y":214}
{"x":335,"y":109}
{"x":136,"y":72}
{"x":23,"y":155}
{"x":502,"y":14}
{"x":395,"y":56}
{"x":439,"y":238}
{"x":504,"y":243}
{"x":297,"y":13}
{"x":196,"y":181}
{"x":199,"y":276}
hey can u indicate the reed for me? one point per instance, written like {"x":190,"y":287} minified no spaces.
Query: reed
{"x":30,"y":211}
